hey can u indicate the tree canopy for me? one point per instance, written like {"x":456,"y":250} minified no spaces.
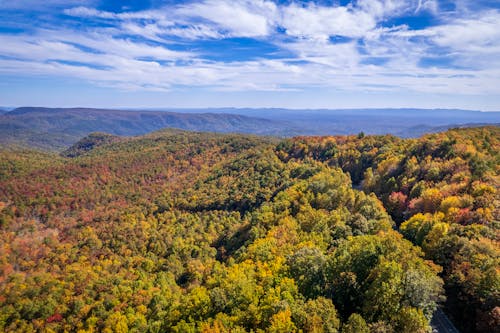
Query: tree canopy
{"x":194,"y":232}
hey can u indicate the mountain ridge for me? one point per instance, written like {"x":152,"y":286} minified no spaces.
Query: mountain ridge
{"x":59,"y":128}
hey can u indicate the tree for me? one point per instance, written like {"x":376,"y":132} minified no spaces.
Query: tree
{"x":355,"y":324}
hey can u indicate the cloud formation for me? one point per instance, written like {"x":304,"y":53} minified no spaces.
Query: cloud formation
{"x":366,"y":45}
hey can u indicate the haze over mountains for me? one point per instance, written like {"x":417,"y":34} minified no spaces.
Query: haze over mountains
{"x":50,"y":128}
{"x":59,"y":128}
{"x":404,"y":122}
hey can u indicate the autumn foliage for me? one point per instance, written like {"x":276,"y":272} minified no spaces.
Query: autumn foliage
{"x":195,"y":232}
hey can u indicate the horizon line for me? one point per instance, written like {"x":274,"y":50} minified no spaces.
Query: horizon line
{"x":170,"y":108}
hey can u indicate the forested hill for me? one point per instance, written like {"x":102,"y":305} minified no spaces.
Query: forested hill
{"x":51,"y":128}
{"x":192,"y":232}
{"x":57,"y":129}
{"x":406,"y":123}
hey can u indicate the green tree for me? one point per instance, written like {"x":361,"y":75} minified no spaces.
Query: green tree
{"x":355,"y":324}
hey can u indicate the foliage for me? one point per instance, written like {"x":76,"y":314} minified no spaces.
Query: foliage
{"x":442,"y":191}
{"x":195,"y":232}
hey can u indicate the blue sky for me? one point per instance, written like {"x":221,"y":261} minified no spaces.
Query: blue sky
{"x":260,"y":53}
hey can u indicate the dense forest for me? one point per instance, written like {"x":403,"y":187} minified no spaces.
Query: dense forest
{"x":192,"y":232}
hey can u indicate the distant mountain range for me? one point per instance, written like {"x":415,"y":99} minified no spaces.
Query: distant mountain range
{"x":401,"y":122}
{"x":59,"y":128}
{"x":4,"y":110}
{"x":51,"y":128}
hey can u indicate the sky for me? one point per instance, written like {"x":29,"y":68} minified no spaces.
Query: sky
{"x":259,"y":53}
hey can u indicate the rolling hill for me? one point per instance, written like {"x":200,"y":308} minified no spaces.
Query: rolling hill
{"x":178,"y":231}
{"x":59,"y":128}
{"x":52,"y":128}
{"x":406,"y":123}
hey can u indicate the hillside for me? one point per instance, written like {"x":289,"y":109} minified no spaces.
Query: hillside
{"x":177,"y":231}
{"x":406,"y":123}
{"x":57,"y":129}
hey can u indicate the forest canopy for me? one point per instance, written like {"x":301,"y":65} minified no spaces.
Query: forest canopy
{"x":192,"y":232}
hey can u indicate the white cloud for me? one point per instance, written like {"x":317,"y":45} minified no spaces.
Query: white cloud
{"x":427,"y":5}
{"x":383,"y":8}
{"x":89,"y":12}
{"x":61,"y":45}
{"x":104,"y":56}
{"x":236,"y":18}
{"x":257,"y":18}
{"x":83,"y":11}
{"x":322,"y":22}
{"x":464,"y":34}
{"x":45,"y":4}
{"x":472,"y":41}
{"x":205,"y":19}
